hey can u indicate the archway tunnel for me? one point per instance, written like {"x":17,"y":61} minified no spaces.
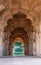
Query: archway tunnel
{"x":17,"y":35}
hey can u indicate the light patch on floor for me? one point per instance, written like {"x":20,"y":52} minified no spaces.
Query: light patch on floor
{"x":20,"y":61}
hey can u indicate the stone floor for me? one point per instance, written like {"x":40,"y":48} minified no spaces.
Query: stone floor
{"x":20,"y":61}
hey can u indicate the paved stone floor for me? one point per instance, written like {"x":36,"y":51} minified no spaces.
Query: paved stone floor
{"x":20,"y":61}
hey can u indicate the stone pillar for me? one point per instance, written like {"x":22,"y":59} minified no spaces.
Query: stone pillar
{"x":2,"y":22}
{"x":40,"y":38}
{"x":1,"y":43}
{"x":38,"y":44}
{"x":31,"y":44}
{"x":6,"y":44}
{"x":34,"y":44}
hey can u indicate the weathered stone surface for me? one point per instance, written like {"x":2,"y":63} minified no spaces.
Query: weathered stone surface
{"x":32,"y":9}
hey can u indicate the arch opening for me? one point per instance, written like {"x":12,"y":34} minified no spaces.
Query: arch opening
{"x":17,"y":32}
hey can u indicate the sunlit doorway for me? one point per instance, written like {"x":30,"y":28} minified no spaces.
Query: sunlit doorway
{"x":18,"y":49}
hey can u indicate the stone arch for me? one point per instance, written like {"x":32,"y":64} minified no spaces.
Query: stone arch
{"x":18,"y":24}
{"x":19,"y":33}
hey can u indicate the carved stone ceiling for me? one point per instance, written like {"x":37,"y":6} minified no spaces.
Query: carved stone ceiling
{"x":32,"y":8}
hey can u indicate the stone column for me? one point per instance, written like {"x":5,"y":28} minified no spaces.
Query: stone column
{"x":2,"y":25}
{"x":1,"y":43}
{"x":38,"y":44}
{"x":40,"y":38}
{"x":34,"y":43}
